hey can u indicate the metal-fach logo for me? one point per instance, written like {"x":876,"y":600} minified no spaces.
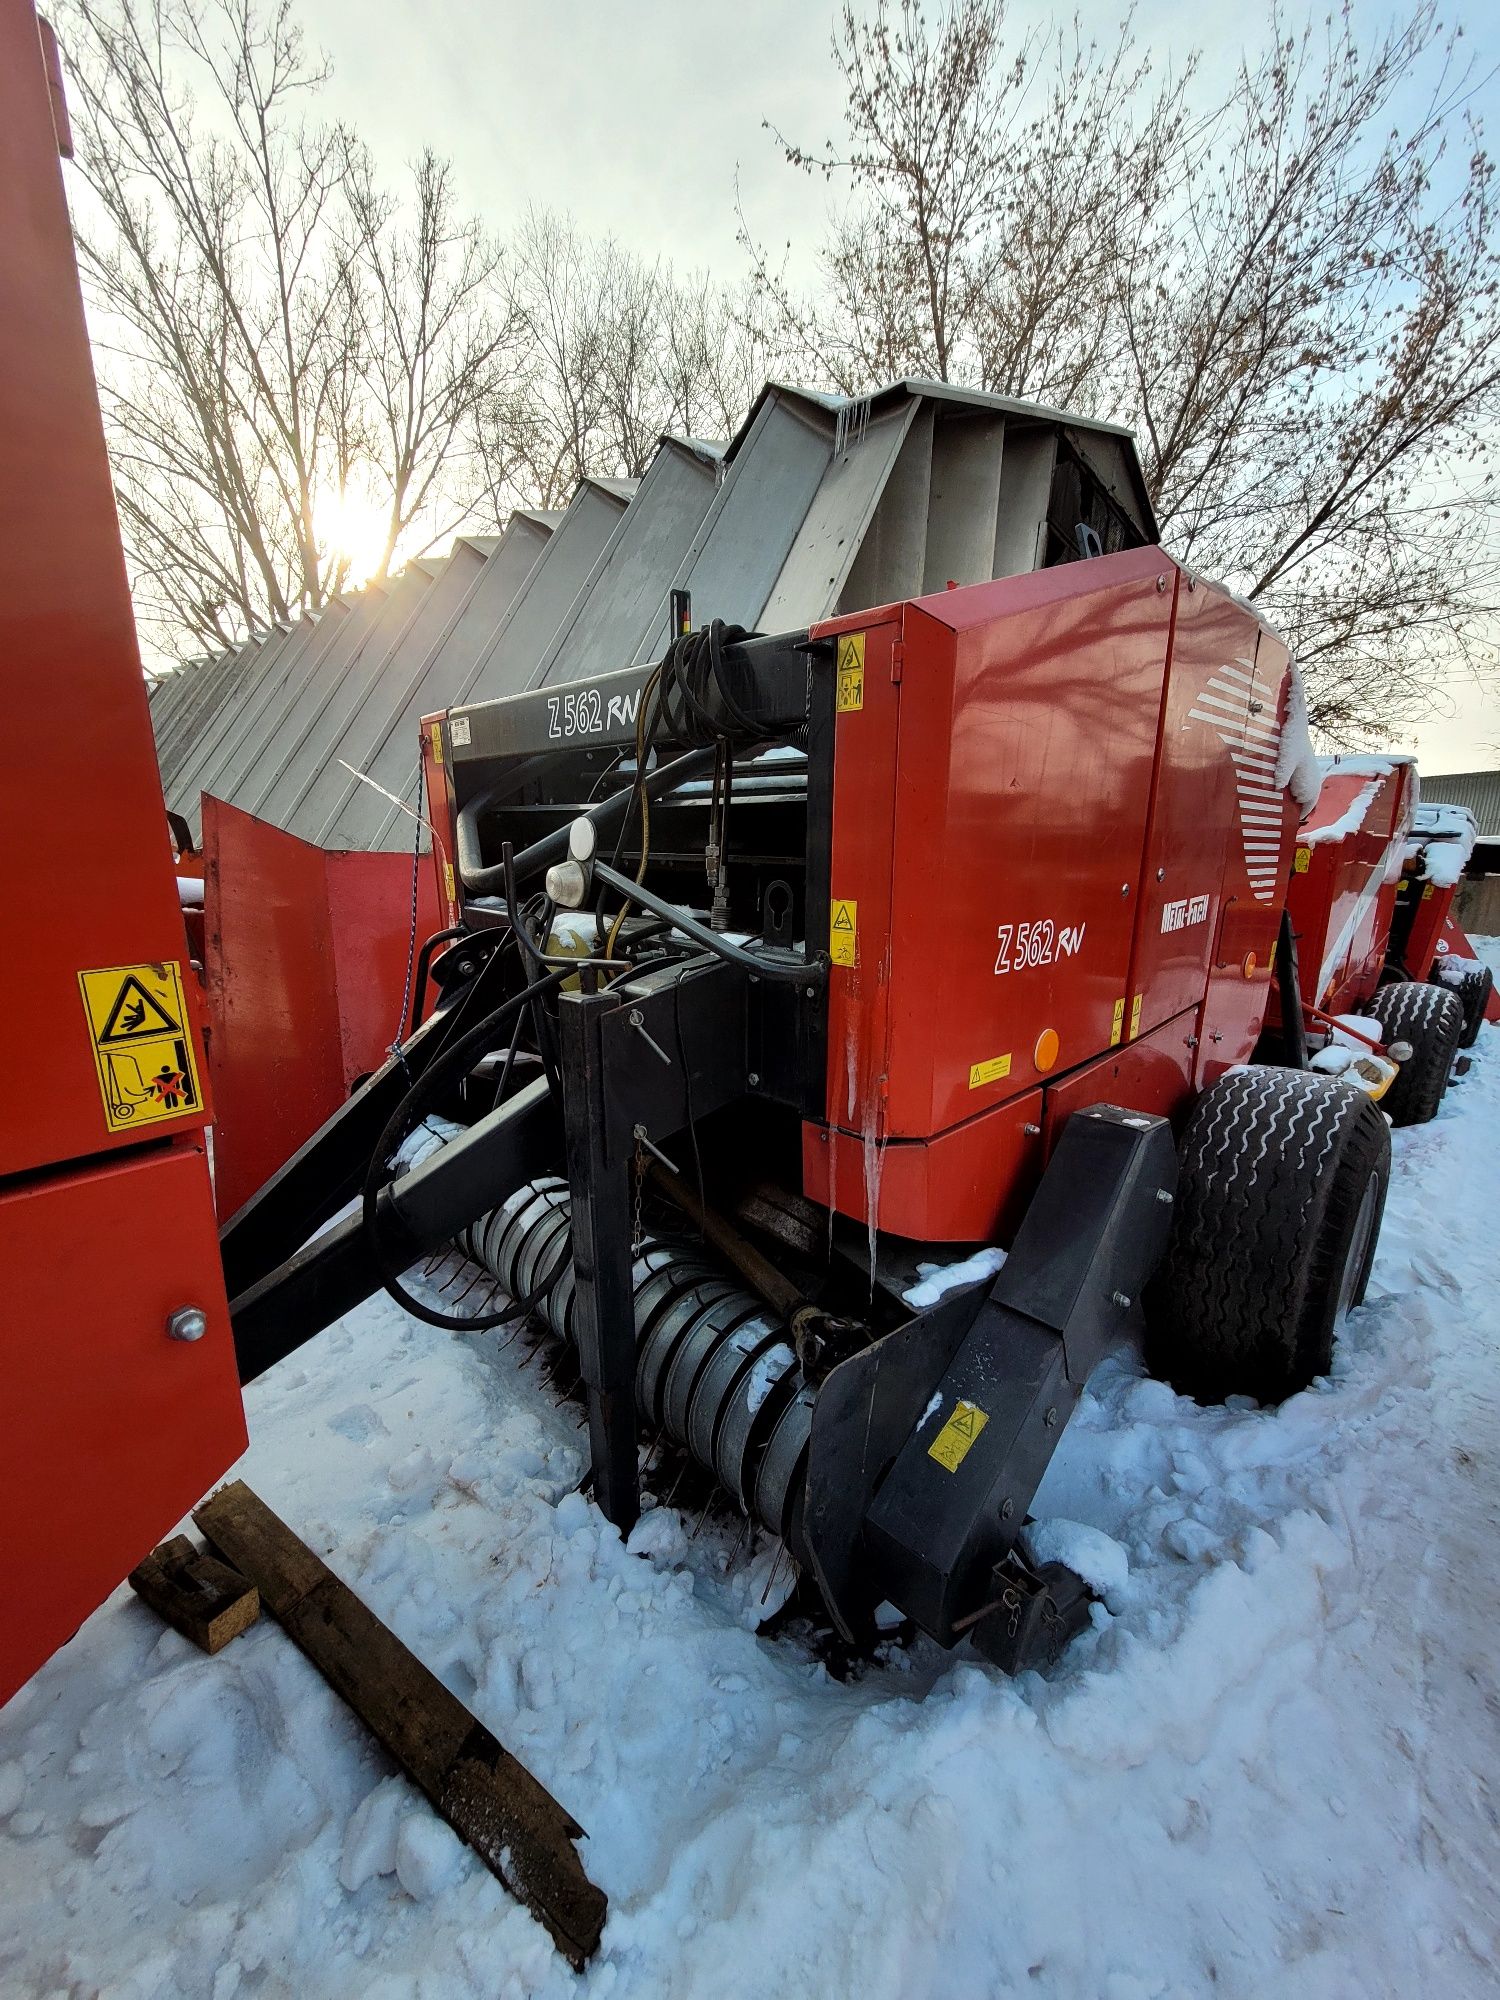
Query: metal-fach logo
{"x":1185,"y":911}
{"x":1248,"y":728}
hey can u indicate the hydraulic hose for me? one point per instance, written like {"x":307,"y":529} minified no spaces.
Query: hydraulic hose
{"x":465,"y":1050}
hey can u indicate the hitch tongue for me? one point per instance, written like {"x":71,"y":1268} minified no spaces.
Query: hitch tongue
{"x":1031,"y":1614}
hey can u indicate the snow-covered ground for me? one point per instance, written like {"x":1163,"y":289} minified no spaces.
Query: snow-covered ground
{"x":1270,"y":1770}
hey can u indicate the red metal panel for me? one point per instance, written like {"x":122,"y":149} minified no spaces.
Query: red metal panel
{"x":307,"y":953}
{"x":442,"y":812}
{"x":271,"y":990}
{"x":990,"y":800}
{"x":1343,"y":891}
{"x":112,"y":1429}
{"x":1221,"y":828}
{"x":1028,"y":736}
{"x":1154,"y":1074}
{"x":864,"y":790}
{"x":77,"y":748}
{"x":968,"y":1185}
{"x":1427,"y":939}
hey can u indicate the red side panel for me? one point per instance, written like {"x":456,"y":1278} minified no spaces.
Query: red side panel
{"x":112,"y":1430}
{"x":1343,"y":888}
{"x":1029,"y":715}
{"x":307,"y":956}
{"x":969,"y":1185}
{"x":1221,"y":830}
{"x":990,"y":793}
{"x":1154,"y":1074}
{"x":1429,"y":936}
{"x":860,"y":923}
{"x":78,"y":779}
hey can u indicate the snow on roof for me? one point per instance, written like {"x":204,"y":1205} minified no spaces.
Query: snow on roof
{"x":1375,"y":770}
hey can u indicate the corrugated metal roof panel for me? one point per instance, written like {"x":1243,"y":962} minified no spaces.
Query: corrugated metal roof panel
{"x":1478,"y":790}
{"x":192,"y":773}
{"x":626,"y":591}
{"x":292,"y":712}
{"x":820,"y":504}
{"x":364,"y":818}
{"x":199,"y":696}
{"x":223,"y":773}
{"x":367,"y":713}
{"x":517,"y":644}
{"x":317,"y":723}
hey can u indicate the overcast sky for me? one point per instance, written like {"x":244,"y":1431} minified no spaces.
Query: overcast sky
{"x":639,"y":118}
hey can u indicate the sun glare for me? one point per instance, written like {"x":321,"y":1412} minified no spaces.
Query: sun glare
{"x":351,"y":527}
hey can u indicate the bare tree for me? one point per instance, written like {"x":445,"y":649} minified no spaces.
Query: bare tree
{"x":993,"y":191}
{"x":272,"y":333}
{"x":1292,"y":294}
{"x":1314,"y":339}
{"x":435,"y":337}
{"x":618,"y":351}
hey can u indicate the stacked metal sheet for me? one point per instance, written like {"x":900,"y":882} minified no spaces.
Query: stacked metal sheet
{"x":818,"y":504}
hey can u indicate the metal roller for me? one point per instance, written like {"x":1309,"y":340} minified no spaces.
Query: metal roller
{"x":749,"y":1416}
{"x":662,"y":1343}
{"x":732,"y":1360}
{"x":778,"y":1479}
{"x":693,"y":1355}
{"x":714,"y":1368}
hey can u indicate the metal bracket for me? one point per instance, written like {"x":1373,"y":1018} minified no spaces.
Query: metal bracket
{"x":968,"y":1411}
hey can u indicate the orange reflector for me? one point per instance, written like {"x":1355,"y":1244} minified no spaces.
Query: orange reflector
{"x":1045,"y":1053}
{"x":1248,"y":968}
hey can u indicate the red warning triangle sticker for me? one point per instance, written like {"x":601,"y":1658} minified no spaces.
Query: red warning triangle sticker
{"x":134,"y":1014}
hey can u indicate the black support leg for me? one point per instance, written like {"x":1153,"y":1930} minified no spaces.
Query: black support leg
{"x":599,"y":1181}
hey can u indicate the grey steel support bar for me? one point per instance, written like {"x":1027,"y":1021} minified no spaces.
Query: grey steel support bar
{"x":425,"y":1209}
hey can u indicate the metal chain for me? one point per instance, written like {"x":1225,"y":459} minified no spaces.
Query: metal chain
{"x":637,"y":1237}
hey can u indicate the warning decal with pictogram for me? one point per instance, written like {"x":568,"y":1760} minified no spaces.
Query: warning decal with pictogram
{"x":143,"y":1048}
{"x":951,"y":1445}
{"x":850,"y":671}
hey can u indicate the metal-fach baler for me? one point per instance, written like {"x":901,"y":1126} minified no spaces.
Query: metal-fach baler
{"x":797,"y":959}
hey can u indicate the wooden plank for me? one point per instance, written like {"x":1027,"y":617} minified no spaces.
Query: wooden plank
{"x":201,"y":1598}
{"x":491,"y":1800}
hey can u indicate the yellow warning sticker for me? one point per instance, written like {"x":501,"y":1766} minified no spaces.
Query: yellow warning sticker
{"x":1117,"y":1024}
{"x":1427,"y":892}
{"x":1302,"y":860}
{"x":143,"y":1048}
{"x":437,"y":743}
{"x":1135,"y":1016}
{"x":449,"y":884}
{"x":851,"y":672}
{"x":951,"y":1445}
{"x":988,"y":1072}
{"x":843,"y":932}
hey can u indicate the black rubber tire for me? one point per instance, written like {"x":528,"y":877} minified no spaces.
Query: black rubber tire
{"x":1473,"y":991}
{"x":1273,"y":1231}
{"x":1431,"y":1018}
